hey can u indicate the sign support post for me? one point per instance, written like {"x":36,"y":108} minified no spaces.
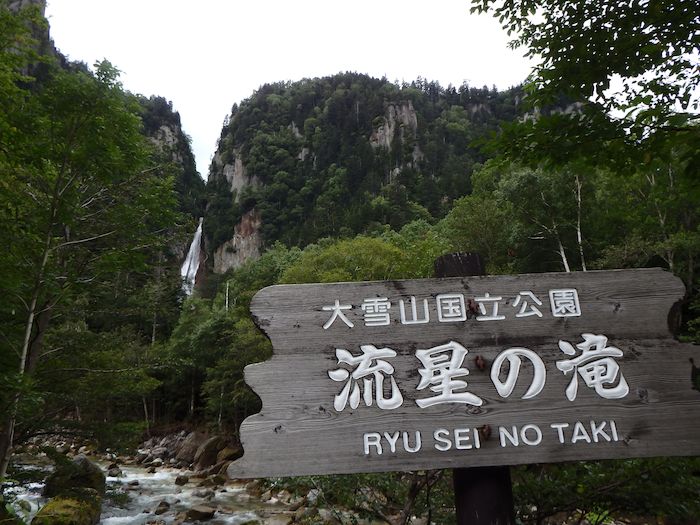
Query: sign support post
{"x":483,"y":495}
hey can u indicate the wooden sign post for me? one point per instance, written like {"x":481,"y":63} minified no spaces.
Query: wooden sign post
{"x":410,"y":375}
{"x":483,"y":495}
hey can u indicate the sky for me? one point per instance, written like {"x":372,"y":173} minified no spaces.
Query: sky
{"x":204,"y":56}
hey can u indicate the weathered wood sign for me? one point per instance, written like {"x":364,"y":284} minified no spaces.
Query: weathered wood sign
{"x":476,"y":371}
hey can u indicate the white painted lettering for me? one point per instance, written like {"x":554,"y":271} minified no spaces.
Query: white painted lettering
{"x":392,"y":439}
{"x":613,"y":429}
{"x":529,"y":441}
{"x":441,"y":437}
{"x":597,"y":431}
{"x":462,"y":439}
{"x":372,"y":439}
{"x":477,"y":438}
{"x":580,"y":433}
{"x":406,"y":444}
{"x":503,"y":434}
{"x":560,"y":430}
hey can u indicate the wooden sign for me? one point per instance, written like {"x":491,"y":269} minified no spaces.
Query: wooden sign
{"x":475,"y":371}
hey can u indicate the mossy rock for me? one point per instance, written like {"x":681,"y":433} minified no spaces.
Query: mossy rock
{"x":76,"y":507}
{"x":79,"y":473}
{"x":6,"y":517}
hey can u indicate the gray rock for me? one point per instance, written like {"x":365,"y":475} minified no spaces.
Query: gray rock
{"x":206,"y":453}
{"x":79,"y":473}
{"x":204,"y":493}
{"x":312,"y":496}
{"x":160,"y":453}
{"x":162,"y":508}
{"x":201,"y":513}
{"x":181,"y":480}
{"x":189,"y":447}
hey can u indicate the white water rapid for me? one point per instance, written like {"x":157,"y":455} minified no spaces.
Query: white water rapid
{"x":189,"y":268}
{"x":134,"y":497}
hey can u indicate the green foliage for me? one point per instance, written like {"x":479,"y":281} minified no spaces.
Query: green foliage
{"x":581,"y":49}
{"x":581,"y":46}
{"x":211,"y":345}
{"x":79,"y":508}
{"x":321,"y":150}
{"x":119,"y":436}
{"x":88,"y":218}
{"x":173,"y":152}
{"x":605,"y":489}
{"x":359,"y":259}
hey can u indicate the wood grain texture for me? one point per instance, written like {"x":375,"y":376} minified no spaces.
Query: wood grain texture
{"x":299,"y":432}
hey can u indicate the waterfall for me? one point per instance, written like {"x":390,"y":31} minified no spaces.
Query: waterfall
{"x":189,"y":268}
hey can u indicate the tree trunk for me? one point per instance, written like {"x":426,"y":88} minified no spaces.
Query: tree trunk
{"x":562,"y":253}
{"x":8,"y":434}
{"x":41,"y":324}
{"x":145,"y":416}
{"x":579,"y":235}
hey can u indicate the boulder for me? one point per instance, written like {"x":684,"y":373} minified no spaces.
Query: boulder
{"x":255,"y":488}
{"x":79,"y":473}
{"x":306,"y":514}
{"x":189,"y":446}
{"x":76,"y":507}
{"x":204,"y":493}
{"x":201,"y":513}
{"x":114,"y":472}
{"x":160,"y":453}
{"x":162,"y":508}
{"x":229,"y":454}
{"x":208,"y":451}
{"x":181,"y":480}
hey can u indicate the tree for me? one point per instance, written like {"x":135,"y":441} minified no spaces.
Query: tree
{"x":81,"y":204}
{"x":584,"y":51}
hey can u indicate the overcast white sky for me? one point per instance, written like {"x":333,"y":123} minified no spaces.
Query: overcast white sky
{"x":206,"y":55}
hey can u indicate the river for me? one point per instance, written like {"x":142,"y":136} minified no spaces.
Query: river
{"x":134,"y":497}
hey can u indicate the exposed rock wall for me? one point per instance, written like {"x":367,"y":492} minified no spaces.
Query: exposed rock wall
{"x":167,"y":140}
{"x":237,"y":176}
{"x":398,"y":115}
{"x":16,"y":5}
{"x":243,"y":246}
{"x":400,"y":121}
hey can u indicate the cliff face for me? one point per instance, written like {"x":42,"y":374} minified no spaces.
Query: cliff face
{"x":162,"y":125}
{"x":341,"y":155}
{"x":245,"y":244}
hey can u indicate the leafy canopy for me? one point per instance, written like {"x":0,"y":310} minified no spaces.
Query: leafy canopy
{"x":636,"y":59}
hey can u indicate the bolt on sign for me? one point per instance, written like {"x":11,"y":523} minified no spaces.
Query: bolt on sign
{"x":472,"y":371}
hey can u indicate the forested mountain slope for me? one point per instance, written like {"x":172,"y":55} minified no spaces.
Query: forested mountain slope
{"x":341,"y":155}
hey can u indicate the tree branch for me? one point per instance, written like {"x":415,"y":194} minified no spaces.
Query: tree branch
{"x":89,"y":239}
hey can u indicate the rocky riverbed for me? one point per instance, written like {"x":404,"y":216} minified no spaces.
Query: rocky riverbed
{"x":176,"y":479}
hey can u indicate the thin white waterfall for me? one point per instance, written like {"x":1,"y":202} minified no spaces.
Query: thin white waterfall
{"x":189,"y":268}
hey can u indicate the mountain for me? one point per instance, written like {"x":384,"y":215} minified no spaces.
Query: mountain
{"x":341,"y":155}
